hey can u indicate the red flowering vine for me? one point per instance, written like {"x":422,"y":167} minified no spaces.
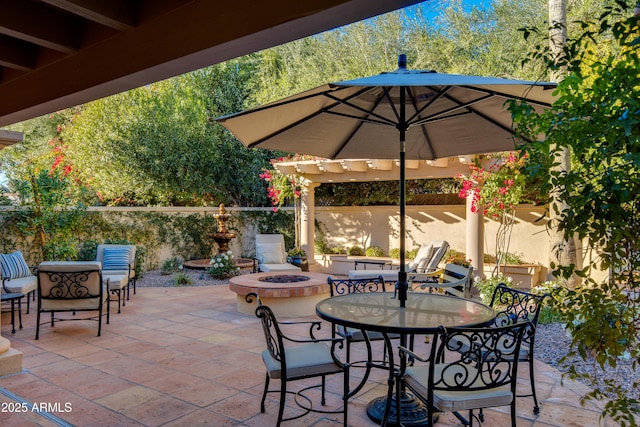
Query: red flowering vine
{"x":497,"y":190}
{"x":282,"y":187}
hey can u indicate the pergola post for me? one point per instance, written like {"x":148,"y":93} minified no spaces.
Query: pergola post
{"x":474,"y":237}
{"x":307,"y":219}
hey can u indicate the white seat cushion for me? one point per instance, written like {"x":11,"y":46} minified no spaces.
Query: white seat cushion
{"x":305,"y":359}
{"x":449,"y":401}
{"x":116,"y":282}
{"x":267,"y":268}
{"x":389,"y":275}
{"x":22,"y":285}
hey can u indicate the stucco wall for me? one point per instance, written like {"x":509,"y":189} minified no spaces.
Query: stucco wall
{"x":379,"y":226}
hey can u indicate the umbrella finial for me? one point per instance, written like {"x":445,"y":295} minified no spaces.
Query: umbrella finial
{"x":402,"y":61}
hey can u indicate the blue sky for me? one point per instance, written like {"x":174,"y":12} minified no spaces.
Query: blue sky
{"x":433,"y":5}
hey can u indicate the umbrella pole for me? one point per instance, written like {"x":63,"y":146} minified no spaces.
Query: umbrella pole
{"x":402,"y":285}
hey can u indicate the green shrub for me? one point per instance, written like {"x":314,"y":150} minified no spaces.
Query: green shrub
{"x":486,"y":287}
{"x":88,"y":250}
{"x":374,"y":251}
{"x":355,"y":251}
{"x":453,"y":256}
{"x":338,"y":250}
{"x":182,"y":279}
{"x":552,"y":306}
{"x":394,"y":252}
{"x":513,"y":258}
{"x":170,"y":266}
{"x":410,"y":254}
{"x":223,"y":266}
{"x":322,"y":247}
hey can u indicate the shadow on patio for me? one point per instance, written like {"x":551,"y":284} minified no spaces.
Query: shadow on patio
{"x":185,"y":357}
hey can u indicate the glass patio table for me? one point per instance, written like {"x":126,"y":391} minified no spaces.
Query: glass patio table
{"x":423,"y":313}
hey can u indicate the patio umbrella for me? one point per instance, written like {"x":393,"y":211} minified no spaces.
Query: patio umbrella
{"x":405,"y":114}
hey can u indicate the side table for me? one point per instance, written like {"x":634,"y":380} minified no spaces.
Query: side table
{"x":13,"y":298}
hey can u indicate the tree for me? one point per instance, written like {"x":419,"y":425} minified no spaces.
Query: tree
{"x":53,"y":196}
{"x":597,"y":117}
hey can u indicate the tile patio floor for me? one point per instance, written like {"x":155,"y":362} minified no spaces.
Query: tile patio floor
{"x":185,"y":357}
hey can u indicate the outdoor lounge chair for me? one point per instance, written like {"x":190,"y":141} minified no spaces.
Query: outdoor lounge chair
{"x":453,"y":279}
{"x":427,"y":259}
{"x":117,"y":261}
{"x":271,"y":254}
{"x":17,"y":276}
{"x":71,"y":286}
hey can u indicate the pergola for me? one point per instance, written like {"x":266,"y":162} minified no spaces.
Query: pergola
{"x":316,"y":172}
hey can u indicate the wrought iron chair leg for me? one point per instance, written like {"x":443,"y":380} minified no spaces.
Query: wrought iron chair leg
{"x":323,"y":401}
{"x":283,"y":396}
{"x":536,"y":408}
{"x":264,"y":395}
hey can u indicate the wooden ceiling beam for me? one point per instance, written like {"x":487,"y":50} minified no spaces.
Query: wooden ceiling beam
{"x":40,"y":25}
{"x":117,"y":14}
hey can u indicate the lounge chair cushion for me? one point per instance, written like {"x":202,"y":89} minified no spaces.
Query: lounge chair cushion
{"x":116,"y":281}
{"x":278,"y":267}
{"x":422,"y":258}
{"x":450,"y":401}
{"x":270,"y":253}
{"x":21,"y":285}
{"x":14,"y":265}
{"x":306,"y":359}
{"x":388,"y":275}
{"x":116,"y":258}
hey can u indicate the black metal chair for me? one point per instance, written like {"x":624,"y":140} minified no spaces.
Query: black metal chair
{"x":352,"y":335}
{"x":468,"y":368}
{"x":512,"y":306}
{"x":309,"y":358}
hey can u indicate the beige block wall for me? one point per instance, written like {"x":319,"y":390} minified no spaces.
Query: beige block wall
{"x":379,"y":226}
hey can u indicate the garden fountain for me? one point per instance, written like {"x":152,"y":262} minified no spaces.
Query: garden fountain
{"x":222,"y":237}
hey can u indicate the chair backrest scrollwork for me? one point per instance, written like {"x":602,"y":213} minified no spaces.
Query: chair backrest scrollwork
{"x":355,"y":286}
{"x":477,"y":358}
{"x":513,"y":305}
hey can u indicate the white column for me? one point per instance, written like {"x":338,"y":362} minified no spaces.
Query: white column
{"x":307,"y":219}
{"x":475,"y":238}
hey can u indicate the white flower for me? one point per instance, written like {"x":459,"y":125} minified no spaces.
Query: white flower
{"x":211,"y":262}
{"x":229,"y":252}
{"x":225,"y":256}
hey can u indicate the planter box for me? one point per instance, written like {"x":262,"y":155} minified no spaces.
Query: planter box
{"x":525,"y":276}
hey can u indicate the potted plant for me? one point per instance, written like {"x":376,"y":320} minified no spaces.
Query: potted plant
{"x":298,"y":257}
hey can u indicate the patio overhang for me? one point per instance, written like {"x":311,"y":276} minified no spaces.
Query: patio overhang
{"x":56,"y":54}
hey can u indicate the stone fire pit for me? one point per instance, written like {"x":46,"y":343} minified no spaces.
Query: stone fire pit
{"x":288,"y":295}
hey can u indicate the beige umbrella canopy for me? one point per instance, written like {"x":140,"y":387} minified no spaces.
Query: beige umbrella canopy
{"x":405,"y":114}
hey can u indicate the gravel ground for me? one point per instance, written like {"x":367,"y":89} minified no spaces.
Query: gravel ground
{"x":552,"y":341}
